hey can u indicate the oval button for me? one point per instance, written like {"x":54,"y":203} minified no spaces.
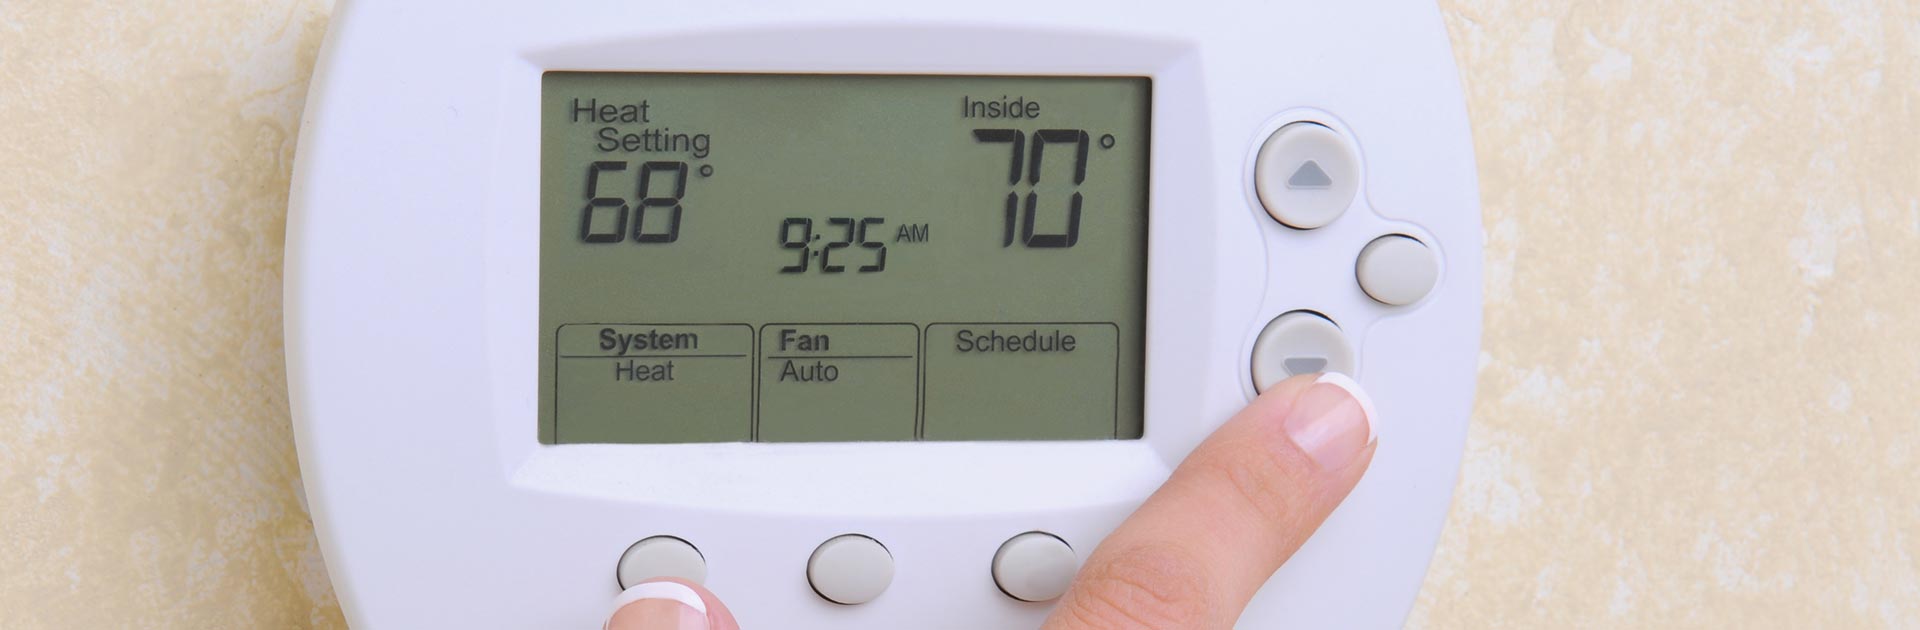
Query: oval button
{"x":658,"y":557}
{"x":850,"y":569}
{"x":1397,"y":270}
{"x":1034,"y":567}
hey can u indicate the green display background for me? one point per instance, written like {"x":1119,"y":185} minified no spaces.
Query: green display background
{"x":820,"y":146}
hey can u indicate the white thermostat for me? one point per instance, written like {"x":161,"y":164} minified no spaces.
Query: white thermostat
{"x":864,"y":314}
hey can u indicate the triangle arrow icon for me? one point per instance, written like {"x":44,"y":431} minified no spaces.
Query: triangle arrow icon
{"x":1310,"y":177}
{"x":1305,"y":365}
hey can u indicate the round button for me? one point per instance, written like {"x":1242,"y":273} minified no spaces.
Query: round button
{"x":1397,"y":270}
{"x":1306,"y":175}
{"x":658,"y":557}
{"x":1035,"y":567}
{"x":1300,"y":342}
{"x":850,"y":569}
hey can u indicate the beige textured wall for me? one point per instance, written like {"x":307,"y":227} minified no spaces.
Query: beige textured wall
{"x":1697,"y":404}
{"x":147,"y":475}
{"x":1698,"y":401}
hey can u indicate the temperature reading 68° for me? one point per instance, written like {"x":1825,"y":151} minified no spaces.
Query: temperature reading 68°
{"x":661,"y":185}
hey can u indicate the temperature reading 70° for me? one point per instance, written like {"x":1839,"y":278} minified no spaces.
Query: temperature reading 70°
{"x":1023,"y":215}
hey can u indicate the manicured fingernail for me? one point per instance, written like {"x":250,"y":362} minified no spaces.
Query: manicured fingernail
{"x":659,"y":606}
{"x":1333,"y":421}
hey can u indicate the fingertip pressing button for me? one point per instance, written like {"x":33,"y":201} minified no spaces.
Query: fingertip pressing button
{"x":661,"y":557}
{"x":1035,"y":567}
{"x":1306,"y":175}
{"x":1397,"y":270}
{"x":850,"y":569}
{"x":1300,"y":342}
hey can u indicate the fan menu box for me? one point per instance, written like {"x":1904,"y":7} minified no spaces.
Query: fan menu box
{"x":839,"y":382}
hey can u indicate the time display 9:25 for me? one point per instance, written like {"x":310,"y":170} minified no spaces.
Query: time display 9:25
{"x":796,"y":233}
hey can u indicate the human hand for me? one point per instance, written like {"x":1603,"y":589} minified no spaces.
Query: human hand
{"x":1194,"y":554}
{"x":670,"y":604}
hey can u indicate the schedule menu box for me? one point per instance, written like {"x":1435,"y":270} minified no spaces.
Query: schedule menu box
{"x":1022,"y":381}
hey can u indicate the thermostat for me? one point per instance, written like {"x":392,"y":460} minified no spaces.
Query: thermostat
{"x":863,"y":314}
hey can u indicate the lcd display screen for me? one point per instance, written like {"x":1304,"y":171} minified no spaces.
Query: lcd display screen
{"x":841,"y":258}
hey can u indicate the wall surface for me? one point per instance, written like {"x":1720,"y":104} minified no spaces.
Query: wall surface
{"x":1697,"y":401}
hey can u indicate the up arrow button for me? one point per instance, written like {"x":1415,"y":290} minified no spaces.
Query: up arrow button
{"x":1307,"y":175}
